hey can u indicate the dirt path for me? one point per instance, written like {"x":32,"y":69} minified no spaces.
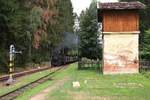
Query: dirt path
{"x":44,"y":93}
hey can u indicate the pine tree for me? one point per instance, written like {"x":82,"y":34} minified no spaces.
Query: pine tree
{"x":33,"y":26}
{"x":13,"y":25}
{"x":89,"y":33}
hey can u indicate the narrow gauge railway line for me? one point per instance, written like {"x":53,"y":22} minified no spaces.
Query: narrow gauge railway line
{"x":13,"y":94}
{"x":19,"y":74}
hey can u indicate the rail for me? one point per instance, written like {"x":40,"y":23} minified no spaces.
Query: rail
{"x":19,"y":74}
{"x":14,"y":94}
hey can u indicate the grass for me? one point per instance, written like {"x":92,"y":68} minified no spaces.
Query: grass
{"x":22,"y":81}
{"x":56,"y":76}
{"x":94,"y":85}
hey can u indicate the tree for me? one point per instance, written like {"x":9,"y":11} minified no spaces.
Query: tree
{"x":145,"y":53}
{"x":13,"y":25}
{"x":33,"y":26}
{"x":48,"y":22}
{"x":89,"y":33}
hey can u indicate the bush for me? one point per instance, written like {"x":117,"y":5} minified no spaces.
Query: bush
{"x":86,"y":60}
{"x":3,"y":61}
{"x":146,"y":73}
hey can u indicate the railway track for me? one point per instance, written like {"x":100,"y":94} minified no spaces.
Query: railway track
{"x":13,"y":94}
{"x":19,"y":74}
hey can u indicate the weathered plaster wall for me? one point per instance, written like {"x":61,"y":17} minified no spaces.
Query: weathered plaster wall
{"x":120,"y":53}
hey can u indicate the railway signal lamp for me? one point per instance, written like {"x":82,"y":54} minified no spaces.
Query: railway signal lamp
{"x":12,"y":53}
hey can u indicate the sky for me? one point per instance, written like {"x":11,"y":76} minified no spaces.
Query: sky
{"x":79,"y":5}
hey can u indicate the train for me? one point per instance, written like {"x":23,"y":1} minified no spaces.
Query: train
{"x":61,"y":57}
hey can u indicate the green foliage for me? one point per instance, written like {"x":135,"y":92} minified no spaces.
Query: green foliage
{"x":35,"y":18}
{"x":146,"y":74}
{"x":89,"y":33}
{"x":51,"y":30}
{"x":65,"y":17}
{"x":73,"y":52}
{"x":25,"y":23}
{"x":145,"y":54}
{"x":13,"y":25}
{"x":3,"y":61}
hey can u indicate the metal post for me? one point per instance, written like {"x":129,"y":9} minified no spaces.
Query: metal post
{"x":12,"y":53}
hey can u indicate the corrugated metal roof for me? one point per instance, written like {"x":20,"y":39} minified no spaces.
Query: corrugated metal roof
{"x":121,"y":5}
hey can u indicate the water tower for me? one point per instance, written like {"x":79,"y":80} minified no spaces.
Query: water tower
{"x":120,"y":29}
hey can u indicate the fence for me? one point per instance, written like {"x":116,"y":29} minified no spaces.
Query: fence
{"x":92,"y":64}
{"x":144,"y":64}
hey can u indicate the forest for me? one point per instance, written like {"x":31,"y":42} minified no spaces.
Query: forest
{"x":35,"y":27}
